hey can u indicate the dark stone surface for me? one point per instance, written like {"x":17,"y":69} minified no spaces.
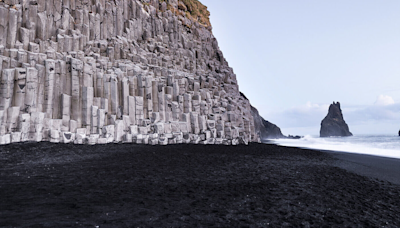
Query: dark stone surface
{"x":369,"y":165}
{"x":125,"y":185}
{"x":333,"y":124}
{"x":264,"y":128}
{"x":121,"y":185}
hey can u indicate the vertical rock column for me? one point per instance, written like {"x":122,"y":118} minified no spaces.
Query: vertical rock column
{"x":36,"y":126}
{"x":6,"y":88}
{"x":187,"y":103}
{"x":154,"y":95}
{"x":94,"y":118}
{"x":49,"y":87}
{"x":76,"y":71}
{"x":99,"y":84}
{"x":132,"y":109}
{"x":40,"y":89}
{"x":3,"y":26}
{"x":87,"y":102}
{"x":133,"y":86}
{"x":12,"y":28}
{"x":125,"y":95}
{"x":12,"y":119}
{"x":114,"y":95}
{"x":58,"y":88}
{"x":6,"y":94}
{"x":161,"y":103}
{"x":19,"y":88}
{"x":139,"y":108}
{"x":65,"y":112}
{"x":24,"y":126}
{"x":31,"y":90}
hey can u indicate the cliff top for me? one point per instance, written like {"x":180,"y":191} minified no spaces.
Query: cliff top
{"x":192,"y":9}
{"x":335,"y":111}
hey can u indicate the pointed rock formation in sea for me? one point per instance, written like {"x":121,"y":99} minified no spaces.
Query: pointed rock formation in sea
{"x":134,"y":71}
{"x":333,"y":124}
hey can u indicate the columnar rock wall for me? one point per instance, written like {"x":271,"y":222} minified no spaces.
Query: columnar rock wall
{"x":102,"y":71}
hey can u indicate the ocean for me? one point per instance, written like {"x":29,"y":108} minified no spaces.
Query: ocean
{"x":379,"y":145}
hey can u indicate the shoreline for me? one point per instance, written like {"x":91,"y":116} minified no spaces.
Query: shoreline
{"x":259,"y":185}
{"x":384,"y":168}
{"x":270,"y":142}
{"x":370,"y":165}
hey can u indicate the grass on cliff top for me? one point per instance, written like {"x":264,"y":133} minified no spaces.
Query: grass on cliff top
{"x":198,"y":11}
{"x":194,"y":10}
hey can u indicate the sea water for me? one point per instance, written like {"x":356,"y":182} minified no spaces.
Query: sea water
{"x":379,"y":145}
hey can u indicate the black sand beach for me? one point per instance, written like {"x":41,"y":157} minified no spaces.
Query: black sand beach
{"x":124,"y":185}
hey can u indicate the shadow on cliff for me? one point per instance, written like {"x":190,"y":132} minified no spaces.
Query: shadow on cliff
{"x":264,"y":128}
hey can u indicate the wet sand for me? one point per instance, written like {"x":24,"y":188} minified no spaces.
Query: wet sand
{"x":382,"y":168}
{"x":124,"y":185}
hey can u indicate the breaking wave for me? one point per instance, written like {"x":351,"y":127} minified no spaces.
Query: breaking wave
{"x":379,"y":145}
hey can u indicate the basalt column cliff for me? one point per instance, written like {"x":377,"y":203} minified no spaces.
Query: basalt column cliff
{"x":101,"y":71}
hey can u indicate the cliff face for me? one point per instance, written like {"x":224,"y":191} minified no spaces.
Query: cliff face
{"x":333,"y":124}
{"x":101,"y":71}
{"x":265,"y":129}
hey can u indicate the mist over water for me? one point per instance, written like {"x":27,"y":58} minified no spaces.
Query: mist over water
{"x":379,"y":145}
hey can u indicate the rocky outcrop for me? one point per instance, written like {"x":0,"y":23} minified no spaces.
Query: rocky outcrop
{"x":265,"y":129}
{"x":100,"y":71}
{"x":333,"y":124}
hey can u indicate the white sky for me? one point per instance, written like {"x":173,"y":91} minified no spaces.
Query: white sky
{"x":293,"y":58}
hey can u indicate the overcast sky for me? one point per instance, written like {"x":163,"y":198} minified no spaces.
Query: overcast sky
{"x":293,"y":58}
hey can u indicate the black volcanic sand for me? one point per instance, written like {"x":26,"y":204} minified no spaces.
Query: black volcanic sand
{"x":122,"y":185}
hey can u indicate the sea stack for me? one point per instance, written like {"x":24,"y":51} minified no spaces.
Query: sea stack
{"x":333,"y":124}
{"x":132,"y":71}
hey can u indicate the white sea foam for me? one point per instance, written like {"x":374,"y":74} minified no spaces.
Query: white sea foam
{"x":380,"y":145}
